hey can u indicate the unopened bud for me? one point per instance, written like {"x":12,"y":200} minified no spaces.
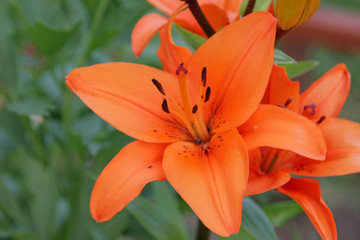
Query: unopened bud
{"x":293,"y":13}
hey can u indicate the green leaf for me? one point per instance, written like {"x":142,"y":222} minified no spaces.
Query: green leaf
{"x":255,"y":224}
{"x":281,"y":58}
{"x":49,"y":40}
{"x":295,"y":70}
{"x":193,"y":40}
{"x":34,"y":106}
{"x":10,"y":207}
{"x":42,"y":185}
{"x":281,"y":213}
{"x":153,"y":216}
{"x":164,"y":197}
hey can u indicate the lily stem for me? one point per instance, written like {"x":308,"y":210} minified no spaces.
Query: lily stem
{"x":250,"y":7}
{"x":202,"y":232}
{"x":200,"y":17}
{"x":280,"y":33}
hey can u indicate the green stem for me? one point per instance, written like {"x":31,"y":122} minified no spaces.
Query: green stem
{"x":93,"y":30}
{"x":200,"y":17}
{"x":250,"y":7}
{"x":202,"y":232}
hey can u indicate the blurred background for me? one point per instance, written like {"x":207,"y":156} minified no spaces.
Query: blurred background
{"x":53,"y":147}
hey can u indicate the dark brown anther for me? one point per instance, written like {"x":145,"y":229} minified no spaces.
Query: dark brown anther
{"x":195,"y":108}
{"x":182,"y":69}
{"x":323,"y":117}
{"x":290,"y":99}
{"x":280,"y":105}
{"x":165,"y":106}
{"x":198,"y":141}
{"x":311,"y":107}
{"x":203,"y":76}
{"x":207,"y":94}
{"x":158,"y":86}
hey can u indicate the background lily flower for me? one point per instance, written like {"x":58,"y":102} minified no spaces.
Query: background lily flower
{"x":292,"y":14}
{"x":320,"y":103}
{"x":185,"y":122}
{"x":219,"y":13}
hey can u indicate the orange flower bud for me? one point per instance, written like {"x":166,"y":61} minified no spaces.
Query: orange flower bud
{"x":293,"y":13}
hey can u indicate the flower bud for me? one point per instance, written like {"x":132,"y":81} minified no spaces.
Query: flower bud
{"x":293,"y":13}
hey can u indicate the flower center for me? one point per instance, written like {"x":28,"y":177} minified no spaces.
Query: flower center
{"x":190,"y":115}
{"x":310,"y":111}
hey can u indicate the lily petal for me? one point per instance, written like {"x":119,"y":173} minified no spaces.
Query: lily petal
{"x":338,"y":162}
{"x":341,"y":133}
{"x":307,"y":193}
{"x":260,"y":183}
{"x":280,"y":89}
{"x":124,"y":177}
{"x":237,"y":85}
{"x":276,"y":127}
{"x":343,"y":155}
{"x":232,"y":7}
{"x":144,"y":31}
{"x":123,"y":95}
{"x":329,"y":92}
{"x":166,"y":6}
{"x":211,"y":181}
{"x":171,"y":55}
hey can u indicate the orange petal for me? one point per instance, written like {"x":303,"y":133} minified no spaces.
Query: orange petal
{"x":338,"y":162}
{"x":280,"y":89}
{"x":343,"y":155}
{"x":166,"y":6}
{"x":144,"y":31}
{"x":329,"y":92}
{"x":273,"y":126}
{"x":123,"y":95}
{"x":237,"y":85}
{"x":307,"y":193}
{"x":124,"y":177}
{"x":216,"y":17}
{"x":340,"y":133}
{"x":211,"y":181}
{"x":232,"y":7}
{"x":171,"y":55}
{"x":260,"y":183}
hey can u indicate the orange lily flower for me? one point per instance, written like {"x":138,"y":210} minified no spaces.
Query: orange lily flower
{"x":219,"y":13}
{"x":270,"y":167}
{"x":185,"y":122}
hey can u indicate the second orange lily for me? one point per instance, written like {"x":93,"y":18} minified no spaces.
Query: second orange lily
{"x":270,"y":165}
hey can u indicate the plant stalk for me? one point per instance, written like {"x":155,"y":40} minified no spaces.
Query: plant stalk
{"x":202,"y":232}
{"x":250,"y":7}
{"x":200,"y":17}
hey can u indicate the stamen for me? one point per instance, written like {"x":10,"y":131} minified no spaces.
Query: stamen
{"x":198,"y":141}
{"x":323,"y":117}
{"x":280,"y":105}
{"x":194,"y":109}
{"x":158,"y":86}
{"x":203,"y":76}
{"x":310,"y":107}
{"x":207,"y":94}
{"x":290,"y":99}
{"x":181,"y":69}
{"x":165,"y":106}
